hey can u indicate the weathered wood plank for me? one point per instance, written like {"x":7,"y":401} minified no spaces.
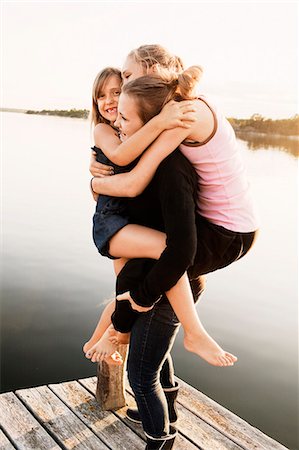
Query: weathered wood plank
{"x":181,"y":442}
{"x":22,"y":427}
{"x":224,"y":420}
{"x":106,"y":425}
{"x":5,"y":444}
{"x":59,"y":420}
{"x":110,"y":391}
{"x":73,"y":418}
{"x":198,"y":431}
{"x":202,"y":434}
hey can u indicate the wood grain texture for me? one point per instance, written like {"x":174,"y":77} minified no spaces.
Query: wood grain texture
{"x":106,"y":425}
{"x":68,"y":415}
{"x":59,"y":420}
{"x":5,"y":443}
{"x":21,"y":427}
{"x":228,"y":423}
{"x":110,"y":391}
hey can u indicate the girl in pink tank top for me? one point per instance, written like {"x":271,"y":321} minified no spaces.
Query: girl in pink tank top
{"x":224,"y":193}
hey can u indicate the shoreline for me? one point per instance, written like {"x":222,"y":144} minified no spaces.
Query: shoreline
{"x":293,"y":137}
{"x":246,"y":130}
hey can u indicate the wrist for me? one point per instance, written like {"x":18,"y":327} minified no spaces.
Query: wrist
{"x":93,"y":185}
{"x":157,"y":123}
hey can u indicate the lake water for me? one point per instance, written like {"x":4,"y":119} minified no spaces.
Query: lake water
{"x":55,"y":284}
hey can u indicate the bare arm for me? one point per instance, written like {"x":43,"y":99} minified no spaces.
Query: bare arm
{"x":174,"y":114}
{"x":132,"y":183}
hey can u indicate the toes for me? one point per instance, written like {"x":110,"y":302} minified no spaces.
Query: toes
{"x":103,"y":356}
{"x":94,"y":357}
{"x":85,"y":347}
{"x":223,"y":361}
{"x":231,"y":358}
{"x":90,"y":353}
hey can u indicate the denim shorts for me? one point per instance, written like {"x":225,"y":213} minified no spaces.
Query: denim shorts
{"x":110,"y":217}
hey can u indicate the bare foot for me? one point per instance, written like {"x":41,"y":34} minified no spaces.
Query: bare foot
{"x":104,"y":350}
{"x":119,"y":338}
{"x":89,"y":344}
{"x":205,"y":347}
{"x":96,"y":337}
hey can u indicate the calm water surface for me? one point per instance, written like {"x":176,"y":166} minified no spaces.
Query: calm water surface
{"x":55,"y":284}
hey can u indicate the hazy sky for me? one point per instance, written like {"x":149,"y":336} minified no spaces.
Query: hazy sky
{"x":52,"y":51}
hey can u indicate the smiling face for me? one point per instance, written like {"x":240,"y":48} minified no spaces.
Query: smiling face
{"x":108,"y":98}
{"x":132,"y":70}
{"x":128,"y":120}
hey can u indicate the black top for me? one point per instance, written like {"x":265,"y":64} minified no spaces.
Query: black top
{"x":168,"y":204}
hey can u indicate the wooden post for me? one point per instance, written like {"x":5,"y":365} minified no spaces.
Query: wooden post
{"x":110,"y":391}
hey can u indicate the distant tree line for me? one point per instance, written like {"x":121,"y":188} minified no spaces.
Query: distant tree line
{"x":259,"y":124}
{"x":78,"y":113}
{"x":256,"y":123}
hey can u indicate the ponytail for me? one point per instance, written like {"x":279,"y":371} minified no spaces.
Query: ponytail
{"x":188,"y":80}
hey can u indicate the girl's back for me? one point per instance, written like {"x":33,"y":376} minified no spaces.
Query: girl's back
{"x":224,"y":195}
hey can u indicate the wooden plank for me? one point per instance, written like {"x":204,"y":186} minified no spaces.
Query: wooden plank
{"x":5,"y":444}
{"x":199,"y":432}
{"x":21,"y":427}
{"x":232,"y":426}
{"x":59,"y":420}
{"x":106,"y":425}
{"x":181,"y":443}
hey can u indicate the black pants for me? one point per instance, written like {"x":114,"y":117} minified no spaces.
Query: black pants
{"x":217,"y":247}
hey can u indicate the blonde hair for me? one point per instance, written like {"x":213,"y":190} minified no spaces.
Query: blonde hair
{"x":156,"y":55}
{"x":153,"y":92}
{"x":97,"y":88}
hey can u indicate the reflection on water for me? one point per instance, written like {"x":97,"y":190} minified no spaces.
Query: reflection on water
{"x":55,"y":284}
{"x":256,"y":141}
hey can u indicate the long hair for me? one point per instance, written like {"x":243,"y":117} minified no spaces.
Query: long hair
{"x":98,"y":85}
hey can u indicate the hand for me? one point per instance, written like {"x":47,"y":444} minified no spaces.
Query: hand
{"x":98,"y":169}
{"x":177,"y":114}
{"x":135,"y":307}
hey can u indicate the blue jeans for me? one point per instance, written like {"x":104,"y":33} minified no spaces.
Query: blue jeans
{"x":152,"y":338}
{"x":149,"y":363}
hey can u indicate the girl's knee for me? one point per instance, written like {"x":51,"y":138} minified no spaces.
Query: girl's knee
{"x":119,"y":264}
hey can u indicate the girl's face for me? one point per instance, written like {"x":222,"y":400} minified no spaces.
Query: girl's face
{"x":132,"y":70}
{"x":108,"y":98}
{"x":128,"y":120}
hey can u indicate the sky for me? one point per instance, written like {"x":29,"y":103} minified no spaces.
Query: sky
{"x":52,"y":51}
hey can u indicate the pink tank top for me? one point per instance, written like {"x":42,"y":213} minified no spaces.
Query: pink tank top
{"x":224,"y":194}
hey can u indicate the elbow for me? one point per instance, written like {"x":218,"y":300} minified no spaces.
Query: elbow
{"x":133,"y":188}
{"x":132,"y":192}
{"x":119,"y":160}
{"x":187,"y":254}
{"x":183,"y":259}
{"x":187,"y":259}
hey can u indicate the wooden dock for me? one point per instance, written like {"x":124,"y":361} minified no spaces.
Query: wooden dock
{"x":67,"y":416}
